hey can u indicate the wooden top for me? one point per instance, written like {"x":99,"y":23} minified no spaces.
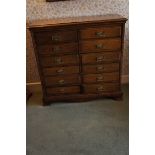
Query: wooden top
{"x":75,"y":20}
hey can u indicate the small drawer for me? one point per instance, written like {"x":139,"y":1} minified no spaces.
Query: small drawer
{"x":62,"y":80}
{"x":100,"y":57}
{"x":109,"y":67}
{"x":63,"y":90}
{"x":48,"y":37}
{"x":100,"y":45}
{"x":67,"y":48}
{"x":100,"y":32}
{"x":61,"y":70}
{"x":101,"y":88}
{"x":60,"y":61}
{"x":97,"y":78}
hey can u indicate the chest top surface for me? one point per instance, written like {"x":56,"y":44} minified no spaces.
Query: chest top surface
{"x":75,"y":20}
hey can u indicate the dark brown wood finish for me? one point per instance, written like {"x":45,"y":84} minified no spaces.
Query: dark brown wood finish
{"x":99,"y":58}
{"x":61,"y":70}
{"x":100,"y":68}
{"x":58,"y":49}
{"x":94,"y":45}
{"x":104,"y":77}
{"x":49,"y":37}
{"x":100,"y":32}
{"x":59,"y":60}
{"x":100,"y":88}
{"x":79,"y":58}
{"x":61,"y":80}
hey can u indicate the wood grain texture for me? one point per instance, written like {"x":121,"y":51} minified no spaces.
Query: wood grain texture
{"x":76,"y":20}
{"x":108,"y":67}
{"x":49,"y":37}
{"x":58,"y":49}
{"x":61,"y":70}
{"x":100,"y":45}
{"x":59,"y":60}
{"x":62,"y":80}
{"x":100,"y":32}
{"x":100,"y":58}
{"x":67,"y":73}
{"x":63,"y":90}
{"x":98,"y":78}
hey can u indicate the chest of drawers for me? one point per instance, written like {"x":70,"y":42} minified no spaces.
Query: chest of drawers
{"x":79,"y":58}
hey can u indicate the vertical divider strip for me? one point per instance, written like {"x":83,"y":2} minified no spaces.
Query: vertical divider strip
{"x":80,"y":62}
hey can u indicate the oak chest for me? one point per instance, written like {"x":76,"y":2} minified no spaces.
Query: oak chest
{"x":79,"y":58}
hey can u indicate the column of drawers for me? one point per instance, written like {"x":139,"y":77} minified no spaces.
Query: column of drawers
{"x":59,"y":61}
{"x":100,"y":49}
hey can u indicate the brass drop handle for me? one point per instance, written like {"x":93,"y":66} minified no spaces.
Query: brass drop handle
{"x":99,"y":46}
{"x":62,"y":90}
{"x":60,"y":70}
{"x":100,"y":88}
{"x":100,"y":34}
{"x":99,"y":78}
{"x":61,"y":81}
{"x":56,"y":48}
{"x":100,"y":68}
{"x":58,"y":60}
{"x":99,"y":58}
{"x":56,"y":38}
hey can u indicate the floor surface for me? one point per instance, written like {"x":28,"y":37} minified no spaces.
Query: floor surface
{"x":99,"y":127}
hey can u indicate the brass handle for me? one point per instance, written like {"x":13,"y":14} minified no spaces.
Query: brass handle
{"x":56,"y":48}
{"x":100,"y":58}
{"x":62,"y":90}
{"x":99,"y":78}
{"x":58,"y":60}
{"x":99,"y":68}
{"x":61,"y":81}
{"x":99,"y":46}
{"x":60,"y":70}
{"x":100,"y":88}
{"x":56,"y":38}
{"x":100,"y":34}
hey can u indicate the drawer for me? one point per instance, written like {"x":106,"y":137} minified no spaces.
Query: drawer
{"x":48,"y":37}
{"x":62,"y":80}
{"x":105,"y":77}
{"x":100,"y":45}
{"x":67,"y":48}
{"x":60,"y":61}
{"x":63,"y":90}
{"x":109,"y":67}
{"x":100,"y":32}
{"x":61,"y":70}
{"x":100,"y":57}
{"x":101,"y":88}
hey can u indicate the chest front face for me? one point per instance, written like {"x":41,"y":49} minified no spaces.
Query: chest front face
{"x":79,"y":62}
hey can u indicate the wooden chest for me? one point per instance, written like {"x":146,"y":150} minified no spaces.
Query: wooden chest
{"x":79,"y":58}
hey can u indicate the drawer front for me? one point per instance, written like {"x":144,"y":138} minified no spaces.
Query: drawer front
{"x":68,"y":48}
{"x":100,"y":32}
{"x":48,"y":37}
{"x":60,"y":61}
{"x":63,"y":90}
{"x":100,"y":68}
{"x":101,"y":88}
{"x":61,"y":70}
{"x":61,"y":80}
{"x":96,"y":78}
{"x":100,"y":57}
{"x":100,"y":45}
